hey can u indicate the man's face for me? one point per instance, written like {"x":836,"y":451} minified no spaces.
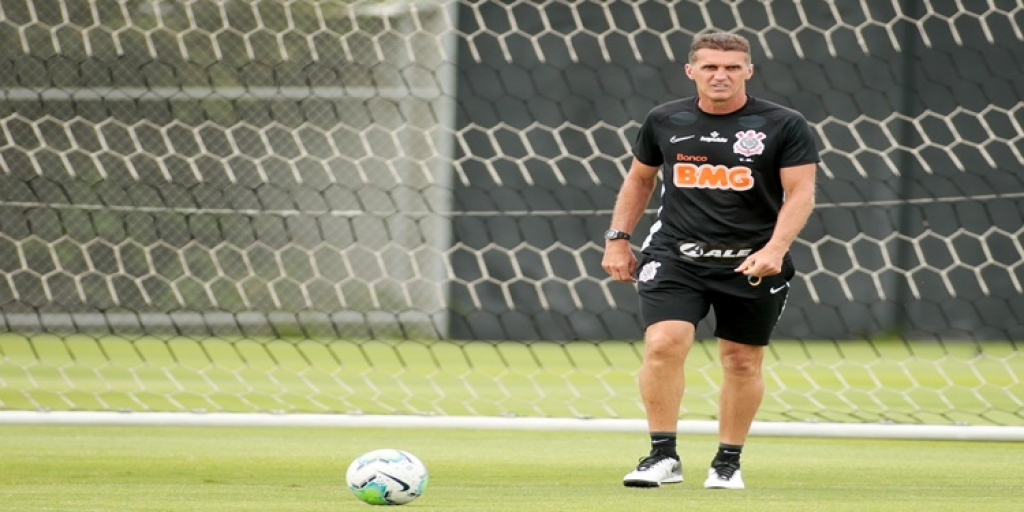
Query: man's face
{"x":720,"y":75}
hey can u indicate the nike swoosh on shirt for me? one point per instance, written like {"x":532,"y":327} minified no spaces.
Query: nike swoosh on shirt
{"x":675,"y":139}
{"x":779,"y":289}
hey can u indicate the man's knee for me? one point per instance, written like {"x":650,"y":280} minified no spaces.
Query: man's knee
{"x":741,"y":360}
{"x":668,"y":340}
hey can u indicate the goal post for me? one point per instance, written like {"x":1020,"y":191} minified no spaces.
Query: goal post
{"x":330,"y":210}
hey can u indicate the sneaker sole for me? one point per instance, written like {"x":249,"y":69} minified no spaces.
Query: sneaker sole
{"x":643,"y":484}
{"x":718,"y":484}
{"x":649,"y":484}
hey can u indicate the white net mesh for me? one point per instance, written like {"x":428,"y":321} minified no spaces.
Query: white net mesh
{"x":277,"y":205}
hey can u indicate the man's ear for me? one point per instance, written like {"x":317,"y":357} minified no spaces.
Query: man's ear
{"x":689,"y":71}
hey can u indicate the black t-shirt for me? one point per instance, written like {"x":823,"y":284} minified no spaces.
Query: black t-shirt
{"x":720,"y":185}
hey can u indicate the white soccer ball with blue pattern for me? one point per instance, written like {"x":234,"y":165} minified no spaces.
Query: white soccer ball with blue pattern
{"x":387,"y":477}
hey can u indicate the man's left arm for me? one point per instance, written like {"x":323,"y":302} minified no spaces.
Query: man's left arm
{"x":798,"y":183}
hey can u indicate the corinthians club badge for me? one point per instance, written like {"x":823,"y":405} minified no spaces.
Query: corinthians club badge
{"x":647,"y":273}
{"x":749,"y":143}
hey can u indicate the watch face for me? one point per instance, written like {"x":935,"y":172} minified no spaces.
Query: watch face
{"x":614,"y":234}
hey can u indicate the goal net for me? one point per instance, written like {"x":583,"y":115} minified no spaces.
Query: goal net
{"x":395,"y":207}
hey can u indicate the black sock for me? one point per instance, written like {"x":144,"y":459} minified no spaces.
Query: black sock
{"x":664,"y":443}
{"x":729,"y":452}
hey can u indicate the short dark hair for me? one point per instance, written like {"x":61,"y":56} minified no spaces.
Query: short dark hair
{"x":724,"y":41}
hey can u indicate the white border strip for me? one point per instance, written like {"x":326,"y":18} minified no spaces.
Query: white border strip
{"x":766,"y":429}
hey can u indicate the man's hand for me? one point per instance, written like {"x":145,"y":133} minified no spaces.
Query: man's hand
{"x":766,"y":262}
{"x":619,"y":261}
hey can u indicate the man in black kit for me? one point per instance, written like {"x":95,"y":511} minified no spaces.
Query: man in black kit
{"x":737,"y":178}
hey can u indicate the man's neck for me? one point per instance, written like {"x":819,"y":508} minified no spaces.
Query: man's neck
{"x":719,"y":108}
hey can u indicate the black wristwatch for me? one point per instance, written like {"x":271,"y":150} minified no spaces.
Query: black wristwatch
{"x":614,"y":234}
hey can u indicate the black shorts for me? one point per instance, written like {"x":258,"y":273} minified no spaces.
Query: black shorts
{"x":674,"y":289}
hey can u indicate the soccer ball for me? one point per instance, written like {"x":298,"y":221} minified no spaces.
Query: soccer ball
{"x":387,"y":477}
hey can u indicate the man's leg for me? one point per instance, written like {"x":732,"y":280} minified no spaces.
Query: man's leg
{"x":662,"y":374}
{"x":662,"y":381}
{"x":742,"y":390}
{"x":740,"y":398}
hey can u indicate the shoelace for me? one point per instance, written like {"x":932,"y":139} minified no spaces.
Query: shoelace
{"x":651,"y":461}
{"x":725,"y":469}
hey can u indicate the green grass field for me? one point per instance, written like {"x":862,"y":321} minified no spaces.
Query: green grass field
{"x":107,"y":468}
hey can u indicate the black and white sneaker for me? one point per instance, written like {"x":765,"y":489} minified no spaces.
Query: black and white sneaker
{"x":654,"y":470}
{"x":724,"y":475}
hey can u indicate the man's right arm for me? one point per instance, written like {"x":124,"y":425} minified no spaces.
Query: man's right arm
{"x":619,"y":261}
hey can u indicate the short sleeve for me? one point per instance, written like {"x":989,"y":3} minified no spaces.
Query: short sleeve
{"x":800,"y":147}
{"x":646,"y":148}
